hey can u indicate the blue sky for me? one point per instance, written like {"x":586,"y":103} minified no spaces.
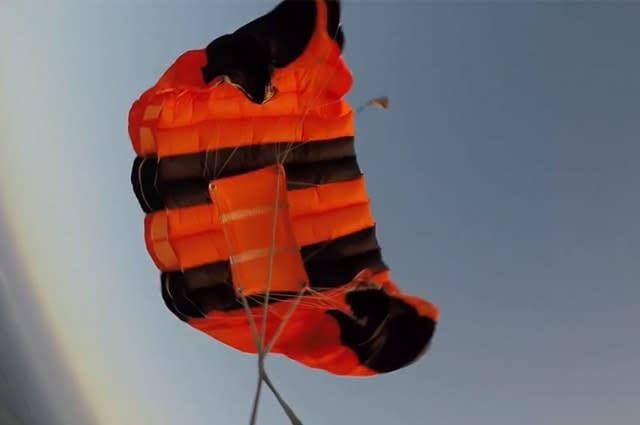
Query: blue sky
{"x":504,"y":180}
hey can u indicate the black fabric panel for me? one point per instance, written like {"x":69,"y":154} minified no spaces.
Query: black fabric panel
{"x":231,"y":161}
{"x":346,"y":246}
{"x":143,"y":175}
{"x":384,"y":332}
{"x":206,"y":276}
{"x":301,"y":176}
{"x":154,"y":194}
{"x":244,"y":60}
{"x":182,"y":194}
{"x":198,"y":290}
{"x":187,"y":303}
{"x":182,"y":181}
{"x":195,"y":192}
{"x":176,"y":299}
{"x":248,"y":55}
{"x":331,"y":274}
{"x":285,"y":31}
{"x":334,"y":263}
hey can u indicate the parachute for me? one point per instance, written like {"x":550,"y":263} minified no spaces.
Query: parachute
{"x":256,"y":211}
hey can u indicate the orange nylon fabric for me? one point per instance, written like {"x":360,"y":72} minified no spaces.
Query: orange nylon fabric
{"x":255,"y":220}
{"x":181,"y":115}
{"x":310,"y":337}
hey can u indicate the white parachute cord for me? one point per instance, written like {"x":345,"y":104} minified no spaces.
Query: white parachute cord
{"x":259,"y":337}
{"x":256,"y":339}
{"x":287,"y":410}
{"x":263,"y":350}
{"x":262,"y":372}
{"x":252,"y":324}
{"x":263,"y":377}
{"x":285,"y":319}
{"x":274,"y":223}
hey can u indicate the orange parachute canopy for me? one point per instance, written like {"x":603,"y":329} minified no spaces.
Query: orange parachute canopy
{"x":247,"y":172}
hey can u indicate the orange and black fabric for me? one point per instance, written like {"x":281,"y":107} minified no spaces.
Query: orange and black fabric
{"x":247,"y":171}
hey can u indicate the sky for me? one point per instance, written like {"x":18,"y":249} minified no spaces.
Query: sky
{"x":504,"y":182}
